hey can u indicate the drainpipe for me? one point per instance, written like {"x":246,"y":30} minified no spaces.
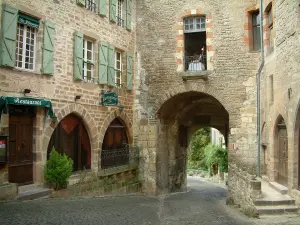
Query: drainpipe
{"x":258,"y":87}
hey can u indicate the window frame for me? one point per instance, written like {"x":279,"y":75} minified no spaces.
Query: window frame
{"x":192,"y":23}
{"x":86,"y":61}
{"x":91,"y":5}
{"x":270,"y":22}
{"x":119,"y":12}
{"x":118,"y":70}
{"x":255,"y":28}
{"x":23,"y":62}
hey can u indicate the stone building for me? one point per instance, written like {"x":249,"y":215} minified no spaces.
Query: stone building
{"x":197,"y":63}
{"x":58,"y":60}
{"x":280,"y":96}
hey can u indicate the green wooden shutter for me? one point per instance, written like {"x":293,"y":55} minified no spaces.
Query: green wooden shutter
{"x":8,"y":36}
{"x":81,"y":2}
{"x":128,"y":14}
{"x":48,"y":48}
{"x":129,"y":71}
{"x":111,"y":66}
{"x":78,"y":55}
{"x":102,"y":7}
{"x":112,"y":10}
{"x":103,"y":63}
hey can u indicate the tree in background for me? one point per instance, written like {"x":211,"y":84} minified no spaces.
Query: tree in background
{"x":196,"y":156}
{"x":216,"y":158}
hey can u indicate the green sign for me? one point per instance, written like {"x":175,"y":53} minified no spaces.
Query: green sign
{"x":29,"y":21}
{"x":4,"y":101}
{"x":109,"y":98}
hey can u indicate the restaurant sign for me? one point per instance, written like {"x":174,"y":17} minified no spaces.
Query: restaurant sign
{"x":5,"y":101}
{"x":109,"y":98}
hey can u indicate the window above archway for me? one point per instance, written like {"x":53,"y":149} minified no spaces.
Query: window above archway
{"x":194,"y":24}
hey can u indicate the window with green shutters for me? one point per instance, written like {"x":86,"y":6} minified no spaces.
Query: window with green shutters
{"x":112,"y":10}
{"x":8,"y":36}
{"x":103,"y":63}
{"x":129,"y":73}
{"x":102,"y":7}
{"x":128,"y":14}
{"x":78,"y":55}
{"x":111,"y":66}
{"x":18,"y":43}
{"x":48,"y":48}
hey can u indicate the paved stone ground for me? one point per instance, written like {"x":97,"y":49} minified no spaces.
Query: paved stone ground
{"x":203,"y":204}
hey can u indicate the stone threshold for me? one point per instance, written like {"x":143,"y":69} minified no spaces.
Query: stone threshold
{"x":195,"y":75}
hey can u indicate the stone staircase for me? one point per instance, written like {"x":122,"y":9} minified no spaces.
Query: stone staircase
{"x":274,"y":200}
{"x":32,"y":191}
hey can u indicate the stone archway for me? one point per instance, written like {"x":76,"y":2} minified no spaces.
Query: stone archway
{"x":89,"y":123}
{"x":70,"y":137}
{"x":177,"y":115}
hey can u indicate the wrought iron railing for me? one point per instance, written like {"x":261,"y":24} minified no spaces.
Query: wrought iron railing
{"x":195,"y":63}
{"x":91,"y":5}
{"x":120,"y":21}
{"x":119,"y":157}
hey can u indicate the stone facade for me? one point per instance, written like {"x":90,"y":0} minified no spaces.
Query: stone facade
{"x":61,"y":88}
{"x":280,"y":93}
{"x":171,"y":102}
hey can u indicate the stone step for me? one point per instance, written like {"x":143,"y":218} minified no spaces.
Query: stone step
{"x":267,"y":202}
{"x":24,"y":188}
{"x":34,"y":194}
{"x":278,"y":187}
{"x":276,"y":210}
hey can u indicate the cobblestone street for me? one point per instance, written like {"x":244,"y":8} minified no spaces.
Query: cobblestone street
{"x":203,"y":204}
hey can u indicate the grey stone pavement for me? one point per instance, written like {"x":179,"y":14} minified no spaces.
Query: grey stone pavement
{"x":203,"y":204}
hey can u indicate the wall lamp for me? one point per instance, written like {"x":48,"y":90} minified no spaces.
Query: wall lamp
{"x":77,"y":97}
{"x":27,"y":91}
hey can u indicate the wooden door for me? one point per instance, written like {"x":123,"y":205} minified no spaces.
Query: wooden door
{"x":283,"y":156}
{"x":20,"y":163}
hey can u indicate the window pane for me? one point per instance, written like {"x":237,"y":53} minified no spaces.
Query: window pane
{"x":89,"y":55}
{"x":256,"y":38}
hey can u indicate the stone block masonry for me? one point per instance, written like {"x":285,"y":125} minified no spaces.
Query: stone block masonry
{"x":167,"y":103}
{"x":61,"y":88}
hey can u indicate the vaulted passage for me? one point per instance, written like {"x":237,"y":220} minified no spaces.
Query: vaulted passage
{"x":71,"y":137}
{"x":180,"y":117}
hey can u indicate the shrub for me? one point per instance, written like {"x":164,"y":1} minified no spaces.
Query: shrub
{"x":58,"y":169}
{"x":216,"y":156}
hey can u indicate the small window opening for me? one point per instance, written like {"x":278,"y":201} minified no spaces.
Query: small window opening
{"x":256,"y":31}
{"x":195,"y":44}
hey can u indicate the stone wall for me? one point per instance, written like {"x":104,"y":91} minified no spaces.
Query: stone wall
{"x":61,"y":88}
{"x":230,"y":80}
{"x":282,"y":97}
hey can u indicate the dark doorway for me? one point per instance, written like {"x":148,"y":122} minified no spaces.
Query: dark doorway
{"x":70,"y":137}
{"x":195,"y":48}
{"x":282,"y":154}
{"x":115,"y":149}
{"x":20,"y":160}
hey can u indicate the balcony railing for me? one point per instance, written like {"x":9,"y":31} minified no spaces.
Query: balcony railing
{"x":119,"y":157}
{"x":91,"y":5}
{"x":195,"y":63}
{"x":120,"y":21}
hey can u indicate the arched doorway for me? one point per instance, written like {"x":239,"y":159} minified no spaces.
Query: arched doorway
{"x":281,"y":154}
{"x":71,"y":138}
{"x":180,"y":116}
{"x":115,"y":147}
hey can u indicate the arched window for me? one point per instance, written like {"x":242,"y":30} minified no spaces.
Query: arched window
{"x":70,"y":137}
{"x":115,"y":149}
